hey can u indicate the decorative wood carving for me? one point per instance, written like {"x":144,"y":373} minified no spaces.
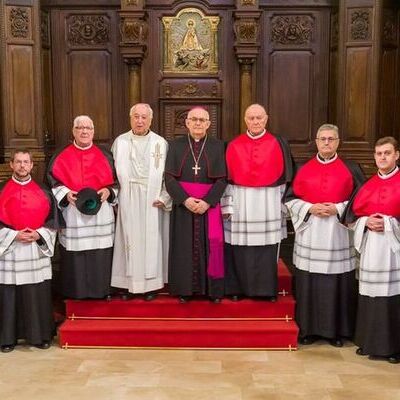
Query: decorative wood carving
{"x":334,"y":30}
{"x":246,"y":31}
{"x":292,"y":29}
{"x":19,"y":19}
{"x":390,"y":27}
{"x":190,"y":89}
{"x":248,"y":2}
{"x":360,"y":24}
{"x":134,"y":31}
{"x":88,"y":30}
{"x":45,"y":28}
{"x":176,"y":113}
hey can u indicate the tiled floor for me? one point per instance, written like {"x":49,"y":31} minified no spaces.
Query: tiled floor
{"x":318,"y":372}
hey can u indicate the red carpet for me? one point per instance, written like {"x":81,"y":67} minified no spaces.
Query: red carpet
{"x":165,"y":323}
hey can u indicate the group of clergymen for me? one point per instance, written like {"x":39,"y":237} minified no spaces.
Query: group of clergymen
{"x":207,"y":220}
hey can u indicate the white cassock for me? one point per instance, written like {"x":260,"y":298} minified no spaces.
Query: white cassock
{"x":141,"y":239}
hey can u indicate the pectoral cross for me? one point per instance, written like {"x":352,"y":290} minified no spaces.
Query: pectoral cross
{"x":157,"y":156}
{"x":196,"y":168}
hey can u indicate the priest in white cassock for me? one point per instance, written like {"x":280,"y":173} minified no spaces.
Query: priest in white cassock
{"x":141,"y":239}
{"x":259,"y":167}
{"x":374,"y":214}
{"x":86,"y":244}
{"x":28,"y":224}
{"x":324,"y":255}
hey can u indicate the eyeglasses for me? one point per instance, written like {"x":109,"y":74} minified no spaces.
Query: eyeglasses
{"x":328,"y":139}
{"x":81,"y":128}
{"x":201,"y":120}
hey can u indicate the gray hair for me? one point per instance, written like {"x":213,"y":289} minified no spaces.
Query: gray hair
{"x":328,"y":127}
{"x":149,"y":109}
{"x":79,"y":118}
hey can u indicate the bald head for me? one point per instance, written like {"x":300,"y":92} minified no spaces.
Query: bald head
{"x":256,"y":119}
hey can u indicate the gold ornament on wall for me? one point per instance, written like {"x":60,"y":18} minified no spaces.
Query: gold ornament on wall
{"x":190,"y":42}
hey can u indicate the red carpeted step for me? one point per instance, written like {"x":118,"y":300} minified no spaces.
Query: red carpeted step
{"x":284,"y":277}
{"x":181,"y":334}
{"x":165,"y":306}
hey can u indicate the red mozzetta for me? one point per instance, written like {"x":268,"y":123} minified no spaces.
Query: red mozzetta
{"x":23,"y":206}
{"x":378,"y":195}
{"x":318,"y":182}
{"x":77,"y":169}
{"x":246,"y":160}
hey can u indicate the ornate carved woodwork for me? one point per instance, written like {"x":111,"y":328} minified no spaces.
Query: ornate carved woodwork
{"x":21,"y":111}
{"x":308,"y":61}
{"x":88,"y":30}
{"x":133,"y":45}
{"x":19,"y":20}
{"x":292,"y":29}
{"x":247,"y":47}
{"x":91,"y":77}
{"x":360,"y":24}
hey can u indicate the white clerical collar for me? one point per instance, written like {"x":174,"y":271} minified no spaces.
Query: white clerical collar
{"x":251,"y":136}
{"x":390,"y":174}
{"x":326,"y":160}
{"x":21,"y":182}
{"x":140,"y":136}
{"x":82,"y":148}
{"x":197,"y":140}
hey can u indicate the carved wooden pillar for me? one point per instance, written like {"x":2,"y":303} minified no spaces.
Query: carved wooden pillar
{"x":135,"y":77}
{"x":246,"y":28}
{"x":20,"y":68}
{"x":246,"y":91}
{"x":134,"y":31}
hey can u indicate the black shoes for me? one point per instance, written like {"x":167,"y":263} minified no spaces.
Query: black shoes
{"x":44,"y":345}
{"x":306,"y":340}
{"x":394,"y":358}
{"x":7,"y":348}
{"x":184,"y":299}
{"x":236,"y":297}
{"x":360,"y":352}
{"x":150,"y":296}
{"x":337,"y":342}
{"x":126,"y":296}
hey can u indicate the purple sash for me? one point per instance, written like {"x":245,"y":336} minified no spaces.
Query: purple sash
{"x":215,"y":267}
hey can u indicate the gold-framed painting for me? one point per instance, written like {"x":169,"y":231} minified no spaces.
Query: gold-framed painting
{"x":190,"y":42}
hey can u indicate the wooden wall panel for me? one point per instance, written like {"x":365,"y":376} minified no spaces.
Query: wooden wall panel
{"x":387,"y":96}
{"x":294,"y":73}
{"x":21,"y":100}
{"x":290,"y":94}
{"x":90,"y":76}
{"x":357,"y":95}
{"x":21,"y":90}
{"x":90,"y":79}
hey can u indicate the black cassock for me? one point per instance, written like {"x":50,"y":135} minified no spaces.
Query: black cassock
{"x":189,"y":248}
